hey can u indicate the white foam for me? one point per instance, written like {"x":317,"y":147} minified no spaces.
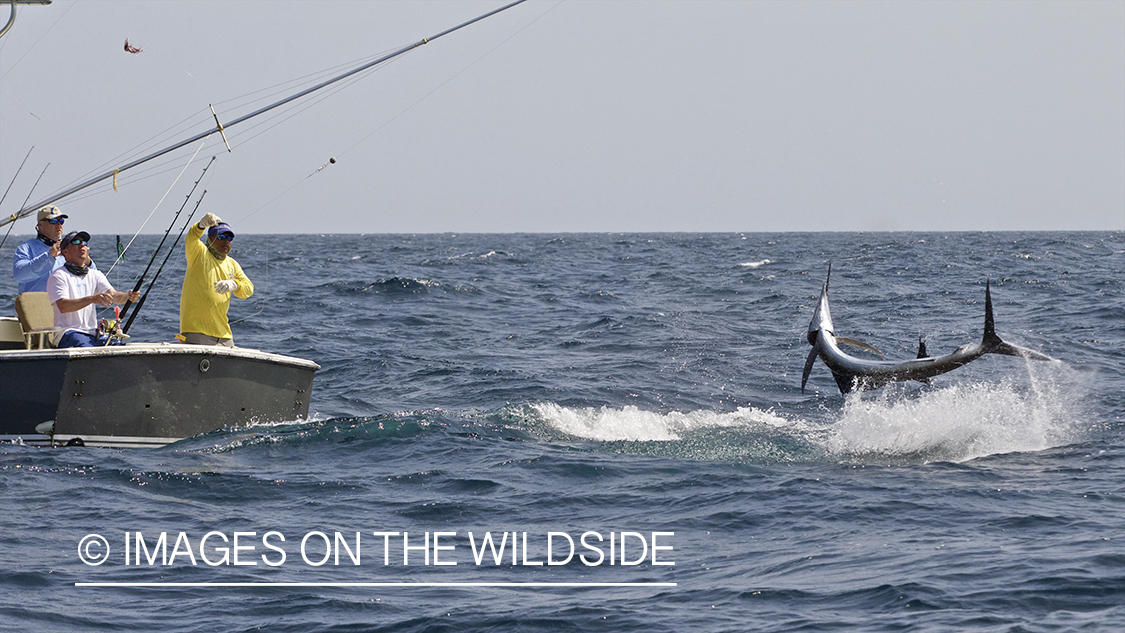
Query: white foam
{"x":632,"y":424}
{"x":758,"y":264}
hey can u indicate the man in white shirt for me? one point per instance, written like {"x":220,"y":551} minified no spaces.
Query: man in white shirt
{"x":74,"y":289}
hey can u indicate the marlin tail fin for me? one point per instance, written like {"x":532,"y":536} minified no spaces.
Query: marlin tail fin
{"x":994,"y":343}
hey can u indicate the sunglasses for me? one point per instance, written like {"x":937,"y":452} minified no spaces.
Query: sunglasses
{"x":56,"y":220}
{"x":226,"y":237}
{"x":78,"y":242}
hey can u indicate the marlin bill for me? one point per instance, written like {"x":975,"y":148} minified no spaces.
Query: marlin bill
{"x":853,"y":373}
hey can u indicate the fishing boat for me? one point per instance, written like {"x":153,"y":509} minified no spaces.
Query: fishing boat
{"x":151,"y":394}
{"x":144,"y":394}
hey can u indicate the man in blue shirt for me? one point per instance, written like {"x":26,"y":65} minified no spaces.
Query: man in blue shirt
{"x":40,"y":256}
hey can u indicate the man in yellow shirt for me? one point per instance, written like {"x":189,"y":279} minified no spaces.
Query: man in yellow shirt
{"x":211,"y":277}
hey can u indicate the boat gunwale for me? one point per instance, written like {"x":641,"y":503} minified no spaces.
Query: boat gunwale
{"x":155,"y":349}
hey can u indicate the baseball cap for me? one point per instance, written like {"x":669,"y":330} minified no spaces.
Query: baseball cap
{"x":221,"y":227}
{"x":50,"y":212}
{"x":73,"y":235}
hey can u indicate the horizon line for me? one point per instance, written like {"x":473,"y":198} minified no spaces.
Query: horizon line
{"x":375,"y":584}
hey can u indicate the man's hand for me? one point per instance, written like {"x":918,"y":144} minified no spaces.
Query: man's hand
{"x":209,"y":221}
{"x":104,"y":299}
{"x":134,"y":295}
{"x":56,"y":249}
{"x":225,"y":286}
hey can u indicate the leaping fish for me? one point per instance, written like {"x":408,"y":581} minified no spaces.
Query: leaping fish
{"x":853,"y":373}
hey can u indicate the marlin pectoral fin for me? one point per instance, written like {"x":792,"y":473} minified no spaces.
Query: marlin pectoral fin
{"x":843,"y":340}
{"x":809,"y":364}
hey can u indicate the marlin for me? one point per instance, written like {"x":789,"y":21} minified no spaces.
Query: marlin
{"x":853,"y":373}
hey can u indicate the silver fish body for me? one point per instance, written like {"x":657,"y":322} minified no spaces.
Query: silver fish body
{"x":853,"y":373}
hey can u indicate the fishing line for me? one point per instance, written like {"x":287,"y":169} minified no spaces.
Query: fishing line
{"x":238,"y":120}
{"x":396,"y":116}
{"x":156,"y":251}
{"x":143,"y":174}
{"x":30,"y":48}
{"x":146,"y":174}
{"x":309,"y":78}
{"x":168,"y":165}
{"x":284,"y":115}
{"x":173,"y":131}
{"x":261,"y":310}
{"x":155,"y":169}
{"x":443,"y":84}
{"x":291,"y":114}
{"x":201,"y":116}
{"x":315,"y":172}
{"x":54,"y":129}
{"x":171,"y":163}
{"x":156,"y":207}
{"x":171,"y":249}
{"x":265,"y":286}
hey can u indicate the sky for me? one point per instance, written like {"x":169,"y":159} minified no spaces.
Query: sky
{"x":575,"y":116}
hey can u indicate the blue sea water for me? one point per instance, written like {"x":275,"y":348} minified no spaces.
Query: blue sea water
{"x":646,"y":384}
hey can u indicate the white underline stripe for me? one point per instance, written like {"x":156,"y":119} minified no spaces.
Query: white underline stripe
{"x":375,"y":584}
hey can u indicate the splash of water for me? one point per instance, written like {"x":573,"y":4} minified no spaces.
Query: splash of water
{"x":632,"y":424}
{"x":955,"y":423}
{"x":897,"y":424}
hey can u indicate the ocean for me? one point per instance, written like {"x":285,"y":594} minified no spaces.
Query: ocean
{"x":606,"y":432}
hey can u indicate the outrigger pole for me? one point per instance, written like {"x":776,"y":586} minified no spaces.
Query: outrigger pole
{"x":28,"y":210}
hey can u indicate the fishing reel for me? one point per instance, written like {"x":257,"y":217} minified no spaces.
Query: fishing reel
{"x":111,"y":329}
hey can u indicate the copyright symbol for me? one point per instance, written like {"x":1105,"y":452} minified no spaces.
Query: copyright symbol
{"x":93,"y":549}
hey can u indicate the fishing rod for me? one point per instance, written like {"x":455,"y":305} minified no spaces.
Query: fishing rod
{"x":24,"y":200}
{"x":155,"y":277}
{"x":221,"y":127}
{"x":141,"y":279}
{"x":9,"y":189}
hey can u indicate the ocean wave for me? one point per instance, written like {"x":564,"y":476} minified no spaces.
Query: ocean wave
{"x":302,"y":432}
{"x":757,"y":264}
